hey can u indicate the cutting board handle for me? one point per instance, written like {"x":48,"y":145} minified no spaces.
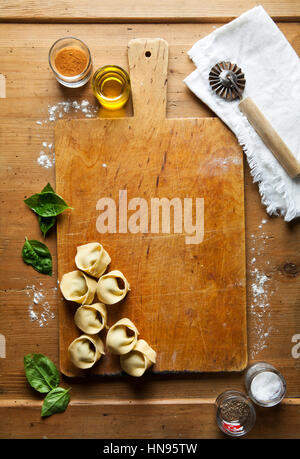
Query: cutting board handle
{"x":148,"y":65}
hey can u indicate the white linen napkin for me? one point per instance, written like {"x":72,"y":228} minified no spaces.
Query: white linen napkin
{"x":272,"y":71}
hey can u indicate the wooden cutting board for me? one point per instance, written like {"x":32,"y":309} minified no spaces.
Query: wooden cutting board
{"x":188,"y":300}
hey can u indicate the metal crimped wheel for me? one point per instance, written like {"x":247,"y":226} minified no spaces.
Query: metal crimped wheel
{"x":227,"y":80}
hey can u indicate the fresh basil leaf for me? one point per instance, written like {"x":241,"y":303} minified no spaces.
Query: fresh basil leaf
{"x":46,"y":223}
{"x":47,"y":204}
{"x":55,"y":401}
{"x":40,"y":248}
{"x":32,"y":201}
{"x":41,"y":372}
{"x":48,"y":188}
{"x":37,"y":254}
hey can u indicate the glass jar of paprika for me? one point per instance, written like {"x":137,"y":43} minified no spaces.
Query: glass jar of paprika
{"x":70,"y":61}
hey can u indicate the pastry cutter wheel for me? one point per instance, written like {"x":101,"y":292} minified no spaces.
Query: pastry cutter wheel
{"x":228,"y":81}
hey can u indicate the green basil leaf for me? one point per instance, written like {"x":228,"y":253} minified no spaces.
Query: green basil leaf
{"x":46,"y":223}
{"x":40,"y":248}
{"x":47,"y":204}
{"x":55,"y":401}
{"x":37,"y":254}
{"x":41,"y":372}
{"x":48,"y":188}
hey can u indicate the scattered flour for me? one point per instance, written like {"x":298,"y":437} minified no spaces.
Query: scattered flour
{"x":261,"y":294}
{"x":258,"y":288}
{"x":223,"y":163}
{"x":39,"y":308}
{"x":46,"y":156}
{"x":59,"y":110}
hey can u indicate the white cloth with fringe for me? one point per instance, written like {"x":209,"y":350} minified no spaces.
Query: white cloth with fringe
{"x":272,"y":71}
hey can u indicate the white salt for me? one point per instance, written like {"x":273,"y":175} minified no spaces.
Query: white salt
{"x":266,"y":386}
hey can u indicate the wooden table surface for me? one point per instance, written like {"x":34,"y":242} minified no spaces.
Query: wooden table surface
{"x":174,"y":406}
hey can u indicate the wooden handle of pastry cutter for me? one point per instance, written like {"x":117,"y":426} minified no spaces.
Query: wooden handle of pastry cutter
{"x":270,"y":137}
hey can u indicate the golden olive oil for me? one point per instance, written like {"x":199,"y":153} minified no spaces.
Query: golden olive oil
{"x":111,"y":86}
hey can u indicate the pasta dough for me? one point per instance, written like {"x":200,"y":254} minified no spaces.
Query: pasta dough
{"x":76,"y":286}
{"x":122,"y":337}
{"x":92,"y":259}
{"x":139,"y":359}
{"x":112,"y":287}
{"x":91,"y":318}
{"x":85,"y":351}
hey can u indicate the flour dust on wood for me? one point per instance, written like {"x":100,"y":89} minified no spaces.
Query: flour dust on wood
{"x":39,"y":309}
{"x":260,"y":292}
{"x":57,"y":111}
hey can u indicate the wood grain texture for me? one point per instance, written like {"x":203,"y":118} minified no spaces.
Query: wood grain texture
{"x":119,"y":11}
{"x":275,"y":246}
{"x":187,"y":300}
{"x":176,"y":419}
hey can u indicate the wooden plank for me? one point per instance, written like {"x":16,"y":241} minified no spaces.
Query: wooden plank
{"x":30,"y":90}
{"x":176,"y":419}
{"x":171,"y":11}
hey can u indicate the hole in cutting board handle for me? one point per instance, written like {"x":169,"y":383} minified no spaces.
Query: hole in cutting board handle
{"x":148,"y":54}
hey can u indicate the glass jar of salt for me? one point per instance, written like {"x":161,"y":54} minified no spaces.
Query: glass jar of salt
{"x":264,"y":384}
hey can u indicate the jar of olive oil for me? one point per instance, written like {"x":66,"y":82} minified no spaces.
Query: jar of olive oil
{"x":111,"y":86}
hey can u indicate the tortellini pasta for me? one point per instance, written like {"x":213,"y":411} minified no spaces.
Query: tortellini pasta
{"x":91,"y":318}
{"x":136,"y":356}
{"x":76,"y":286}
{"x":122,"y":337}
{"x":85,"y":351}
{"x":139,"y":359}
{"x":92,"y":259}
{"x":112,"y":287}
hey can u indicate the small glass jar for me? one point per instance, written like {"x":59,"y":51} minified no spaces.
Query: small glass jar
{"x":235,"y":413}
{"x":111,"y":86}
{"x":73,"y":80}
{"x":264,"y":384}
